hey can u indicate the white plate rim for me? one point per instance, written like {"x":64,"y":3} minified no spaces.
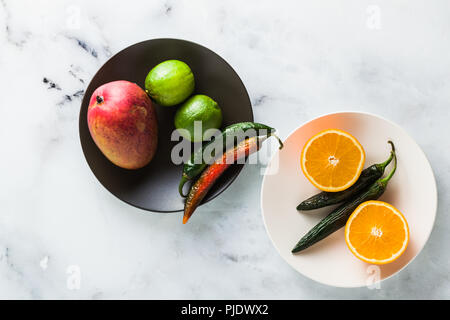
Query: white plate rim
{"x":434,"y":209}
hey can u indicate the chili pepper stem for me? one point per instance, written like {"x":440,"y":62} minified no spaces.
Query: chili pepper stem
{"x":384,"y":181}
{"x":384,"y":164}
{"x":278,"y":138}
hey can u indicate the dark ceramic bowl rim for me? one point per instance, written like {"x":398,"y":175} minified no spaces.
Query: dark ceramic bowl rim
{"x":226,"y":185}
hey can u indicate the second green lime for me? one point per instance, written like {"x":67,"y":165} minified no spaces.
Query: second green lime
{"x":201,"y":109}
{"x":170,"y":82}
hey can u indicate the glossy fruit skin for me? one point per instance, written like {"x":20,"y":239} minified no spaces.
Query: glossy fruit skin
{"x":367,"y":177}
{"x":338,"y":217}
{"x":195,"y":165}
{"x":122,"y":123}
{"x":170,"y":83}
{"x":198,"y":108}
{"x":207,"y":179}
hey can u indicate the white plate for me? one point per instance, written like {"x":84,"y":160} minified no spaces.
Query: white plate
{"x":412,"y":190}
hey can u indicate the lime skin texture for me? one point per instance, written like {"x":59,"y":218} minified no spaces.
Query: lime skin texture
{"x":170,"y":83}
{"x":198,"y":108}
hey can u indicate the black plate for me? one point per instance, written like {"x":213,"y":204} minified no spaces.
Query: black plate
{"x":155,"y":187}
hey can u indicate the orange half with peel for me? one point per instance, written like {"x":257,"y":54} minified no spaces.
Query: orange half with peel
{"x":332,"y":160}
{"x":377,"y":232}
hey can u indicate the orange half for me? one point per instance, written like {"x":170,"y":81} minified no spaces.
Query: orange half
{"x":377,"y":232}
{"x":332,"y":160}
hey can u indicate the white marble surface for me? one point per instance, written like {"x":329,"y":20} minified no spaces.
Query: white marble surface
{"x":298,"y":59}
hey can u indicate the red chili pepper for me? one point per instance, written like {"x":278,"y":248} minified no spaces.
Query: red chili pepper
{"x":207,"y":179}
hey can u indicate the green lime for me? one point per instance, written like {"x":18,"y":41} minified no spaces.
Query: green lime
{"x":201,"y":109}
{"x":170,"y":82}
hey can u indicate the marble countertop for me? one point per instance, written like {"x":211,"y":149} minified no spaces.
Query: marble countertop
{"x":62,"y":235}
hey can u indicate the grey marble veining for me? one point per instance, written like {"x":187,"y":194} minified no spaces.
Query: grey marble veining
{"x":298,"y":60}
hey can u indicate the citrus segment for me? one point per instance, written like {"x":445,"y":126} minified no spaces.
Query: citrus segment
{"x":332,"y":160}
{"x":377,"y":232}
